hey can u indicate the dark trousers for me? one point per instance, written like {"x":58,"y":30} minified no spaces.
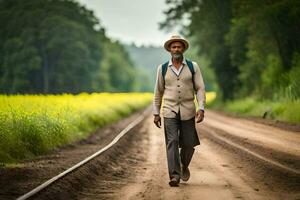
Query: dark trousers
{"x":179,"y":134}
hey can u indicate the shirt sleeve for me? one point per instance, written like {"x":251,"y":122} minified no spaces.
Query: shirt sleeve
{"x":158,"y":91}
{"x":199,"y":87}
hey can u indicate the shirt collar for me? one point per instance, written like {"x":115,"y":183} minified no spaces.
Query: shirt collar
{"x":171,"y":63}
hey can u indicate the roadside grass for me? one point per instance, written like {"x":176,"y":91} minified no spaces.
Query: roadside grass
{"x":31,"y":125}
{"x":285,"y":110}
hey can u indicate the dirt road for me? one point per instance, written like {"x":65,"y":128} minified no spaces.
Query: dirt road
{"x":237,"y":159}
{"x":220,"y":171}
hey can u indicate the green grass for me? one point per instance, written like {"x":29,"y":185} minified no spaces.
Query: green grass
{"x":34,"y":124}
{"x":288,"y":111}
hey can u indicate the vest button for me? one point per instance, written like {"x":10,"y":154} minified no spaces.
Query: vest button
{"x":178,"y":91}
{"x":178,"y":85}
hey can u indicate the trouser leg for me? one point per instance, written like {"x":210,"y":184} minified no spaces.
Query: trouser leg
{"x":171,"y":126}
{"x":186,"y":154}
{"x":188,"y":138}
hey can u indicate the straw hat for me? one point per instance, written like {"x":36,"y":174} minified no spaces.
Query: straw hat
{"x":176,"y":38}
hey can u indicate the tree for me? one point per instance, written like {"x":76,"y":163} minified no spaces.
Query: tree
{"x":209,"y":22}
{"x":253,"y":46}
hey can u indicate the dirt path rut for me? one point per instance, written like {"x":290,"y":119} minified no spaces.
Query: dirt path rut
{"x":219,"y":172}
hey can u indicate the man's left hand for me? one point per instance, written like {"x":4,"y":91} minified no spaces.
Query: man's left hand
{"x":199,"y":116}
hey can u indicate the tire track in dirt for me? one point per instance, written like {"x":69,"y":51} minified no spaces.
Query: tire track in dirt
{"x":137,"y":167}
{"x":218,"y":171}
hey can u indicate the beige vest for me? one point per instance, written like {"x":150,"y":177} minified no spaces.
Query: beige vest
{"x":178,"y":94}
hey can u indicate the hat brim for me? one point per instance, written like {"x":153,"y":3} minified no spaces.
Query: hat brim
{"x":168,"y":43}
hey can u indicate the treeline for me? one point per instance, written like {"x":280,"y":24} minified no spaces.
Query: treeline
{"x":147,"y":58}
{"x":252,"y":45}
{"x":56,"y":46}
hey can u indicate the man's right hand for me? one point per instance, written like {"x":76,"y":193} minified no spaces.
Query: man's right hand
{"x":157,"y":121}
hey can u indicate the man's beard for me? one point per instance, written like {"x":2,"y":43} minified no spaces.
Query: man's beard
{"x":177,"y":56}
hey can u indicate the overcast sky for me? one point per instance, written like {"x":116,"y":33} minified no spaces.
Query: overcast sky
{"x":131,"y":20}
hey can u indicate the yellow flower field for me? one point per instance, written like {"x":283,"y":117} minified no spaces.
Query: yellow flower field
{"x":210,"y":96}
{"x":32,"y":124}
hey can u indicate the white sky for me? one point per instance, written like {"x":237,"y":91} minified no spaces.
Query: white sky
{"x":131,"y":20}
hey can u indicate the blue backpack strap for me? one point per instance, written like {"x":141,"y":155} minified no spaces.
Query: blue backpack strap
{"x":191,"y":67}
{"x":164,"y":69}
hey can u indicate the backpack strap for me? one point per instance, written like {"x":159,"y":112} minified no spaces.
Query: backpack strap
{"x":191,"y":67}
{"x":164,"y":69}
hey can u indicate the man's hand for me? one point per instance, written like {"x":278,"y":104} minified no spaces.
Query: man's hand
{"x":199,"y":116}
{"x":157,"y":121}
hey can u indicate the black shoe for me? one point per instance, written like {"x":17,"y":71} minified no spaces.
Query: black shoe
{"x":174,"y":182}
{"x":185,"y":173}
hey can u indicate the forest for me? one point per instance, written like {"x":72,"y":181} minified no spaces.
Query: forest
{"x":54,"y":46}
{"x":248,"y":51}
{"x":252,"y":46}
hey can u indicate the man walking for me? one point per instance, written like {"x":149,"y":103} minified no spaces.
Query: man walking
{"x":177,"y":81}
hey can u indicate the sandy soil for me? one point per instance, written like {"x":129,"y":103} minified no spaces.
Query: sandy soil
{"x":258,"y":133}
{"x":31,"y":173}
{"x":244,"y":167}
{"x":216,"y":173}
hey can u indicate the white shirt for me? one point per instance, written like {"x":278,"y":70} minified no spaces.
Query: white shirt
{"x":174,"y":69}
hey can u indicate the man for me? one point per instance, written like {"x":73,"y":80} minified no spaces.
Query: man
{"x":177,"y":82}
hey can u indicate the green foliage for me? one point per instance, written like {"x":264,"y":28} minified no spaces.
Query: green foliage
{"x":271,"y":76}
{"x":252,"y":46}
{"x":209,"y":23}
{"x":294,"y":80}
{"x":57,"y":46}
{"x":34,"y":124}
{"x":48,"y":46}
{"x":207,"y":72}
{"x":287,"y":111}
{"x":116,"y":72}
{"x":236,"y":39}
{"x":146,"y":59}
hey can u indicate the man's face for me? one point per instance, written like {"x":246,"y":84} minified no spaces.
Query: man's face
{"x":176,"y":49}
